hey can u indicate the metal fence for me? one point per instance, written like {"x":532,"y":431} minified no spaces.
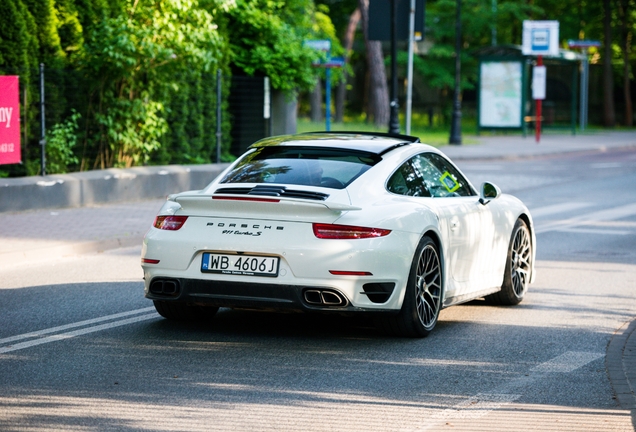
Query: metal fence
{"x":48,"y":97}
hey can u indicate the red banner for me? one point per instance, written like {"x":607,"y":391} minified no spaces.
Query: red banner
{"x":9,"y":120}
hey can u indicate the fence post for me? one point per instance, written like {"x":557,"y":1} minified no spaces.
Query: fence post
{"x":218,"y":116}
{"x":42,"y":122}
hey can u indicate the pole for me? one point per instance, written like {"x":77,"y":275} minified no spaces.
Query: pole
{"x":493,"y":36}
{"x":456,"y":133}
{"x":394,"y":122}
{"x":537,"y":129}
{"x":584,"y":89}
{"x":42,"y":123}
{"x":328,"y":99}
{"x":219,"y":134}
{"x":409,"y":77}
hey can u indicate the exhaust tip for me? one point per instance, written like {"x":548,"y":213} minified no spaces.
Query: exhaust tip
{"x":326,"y":297}
{"x":165,"y":287}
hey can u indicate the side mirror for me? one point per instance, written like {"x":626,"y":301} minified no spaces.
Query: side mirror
{"x":489,"y":192}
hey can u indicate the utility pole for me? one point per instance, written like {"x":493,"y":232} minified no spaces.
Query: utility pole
{"x":456,"y":122}
{"x":394,"y":121}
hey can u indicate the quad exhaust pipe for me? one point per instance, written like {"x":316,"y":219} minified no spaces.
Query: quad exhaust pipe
{"x":324,"y":297}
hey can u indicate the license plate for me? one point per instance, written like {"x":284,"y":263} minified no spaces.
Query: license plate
{"x":243,"y":265}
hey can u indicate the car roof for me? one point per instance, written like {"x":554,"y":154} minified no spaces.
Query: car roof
{"x":377,"y":143}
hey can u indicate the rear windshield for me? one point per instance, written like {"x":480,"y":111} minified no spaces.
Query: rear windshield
{"x":325,"y":167}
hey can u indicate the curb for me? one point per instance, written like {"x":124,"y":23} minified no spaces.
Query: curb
{"x":102,"y":186}
{"x":620,"y":361}
{"x":54,"y":252}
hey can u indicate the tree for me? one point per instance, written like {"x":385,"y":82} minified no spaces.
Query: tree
{"x":140,"y":57}
{"x":377,"y":89}
{"x":609,"y":116}
{"x":626,"y":18}
{"x":347,"y":42}
{"x":267,"y":38}
{"x":14,"y":39}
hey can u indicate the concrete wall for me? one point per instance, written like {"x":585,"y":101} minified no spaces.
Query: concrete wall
{"x":284,"y":113}
{"x":103,"y":186}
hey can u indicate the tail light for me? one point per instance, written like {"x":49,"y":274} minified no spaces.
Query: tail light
{"x":347,"y":232}
{"x":170,"y":223}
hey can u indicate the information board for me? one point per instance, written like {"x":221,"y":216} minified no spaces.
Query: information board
{"x":500,"y":94}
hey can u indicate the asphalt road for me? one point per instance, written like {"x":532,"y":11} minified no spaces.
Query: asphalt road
{"x":81,"y":349}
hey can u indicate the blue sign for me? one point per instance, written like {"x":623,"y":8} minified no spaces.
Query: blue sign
{"x":540,"y":39}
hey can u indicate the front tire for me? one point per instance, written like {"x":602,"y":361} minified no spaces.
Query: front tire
{"x":184,"y":312}
{"x":518,"y":267}
{"x":423,"y":297}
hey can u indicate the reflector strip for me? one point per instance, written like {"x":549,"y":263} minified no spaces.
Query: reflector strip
{"x":149,"y":261}
{"x":350,"y":273}
{"x":227,"y":198}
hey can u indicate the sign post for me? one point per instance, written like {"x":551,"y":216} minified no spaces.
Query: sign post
{"x":538,"y":92}
{"x":540,"y":38}
{"x":584,"y":46}
{"x":9,"y":120}
{"x":335,"y":62}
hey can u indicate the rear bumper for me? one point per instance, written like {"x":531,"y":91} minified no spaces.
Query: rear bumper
{"x":261,"y":296}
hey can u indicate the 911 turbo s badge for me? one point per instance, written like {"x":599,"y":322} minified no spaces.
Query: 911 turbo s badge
{"x":244,"y":229}
{"x":238,"y":232}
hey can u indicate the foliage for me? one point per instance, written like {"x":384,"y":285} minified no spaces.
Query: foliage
{"x":438,"y":65}
{"x":265,"y":39}
{"x":140,"y":57}
{"x":14,"y":38}
{"x":143,"y":73}
{"x":61,"y":140}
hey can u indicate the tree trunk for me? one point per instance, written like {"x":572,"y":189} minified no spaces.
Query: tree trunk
{"x":347,"y":43}
{"x":378,"y":109}
{"x":609,"y":115}
{"x":315,"y":103}
{"x":626,"y":37}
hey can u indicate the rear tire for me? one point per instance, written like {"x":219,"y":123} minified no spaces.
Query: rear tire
{"x":184,"y":312}
{"x":518,"y":268}
{"x":423,"y":297}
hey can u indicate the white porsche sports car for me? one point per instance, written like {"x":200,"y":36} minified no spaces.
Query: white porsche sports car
{"x":339,"y":222}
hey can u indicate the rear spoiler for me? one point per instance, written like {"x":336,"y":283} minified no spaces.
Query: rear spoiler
{"x":208,"y":200}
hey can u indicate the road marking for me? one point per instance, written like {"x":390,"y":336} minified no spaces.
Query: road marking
{"x":476,"y":407}
{"x":586,"y":219}
{"x":567,"y":362}
{"x":594,"y":231}
{"x":481,"y":167}
{"x":483,"y":403}
{"x":61,"y":336}
{"x":606,"y":165}
{"x":557,"y":208}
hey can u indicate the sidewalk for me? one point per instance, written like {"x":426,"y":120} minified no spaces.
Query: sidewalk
{"x":37,"y":235}
{"x":518,"y":147}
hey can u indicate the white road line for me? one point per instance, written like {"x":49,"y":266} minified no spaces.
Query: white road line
{"x":595,"y":231}
{"x":482,"y":167}
{"x":64,"y":336}
{"x":601,"y":215}
{"x":557,"y":208}
{"x":606,"y":165}
{"x":39,"y":333}
{"x":567,"y":362}
{"x":483,"y":403}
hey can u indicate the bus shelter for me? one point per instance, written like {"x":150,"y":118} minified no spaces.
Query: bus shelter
{"x":504,"y":92}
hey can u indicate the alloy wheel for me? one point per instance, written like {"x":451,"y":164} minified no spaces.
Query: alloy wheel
{"x":428,"y":286}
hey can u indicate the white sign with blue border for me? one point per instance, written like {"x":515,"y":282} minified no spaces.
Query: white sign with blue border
{"x":540,"y":38}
